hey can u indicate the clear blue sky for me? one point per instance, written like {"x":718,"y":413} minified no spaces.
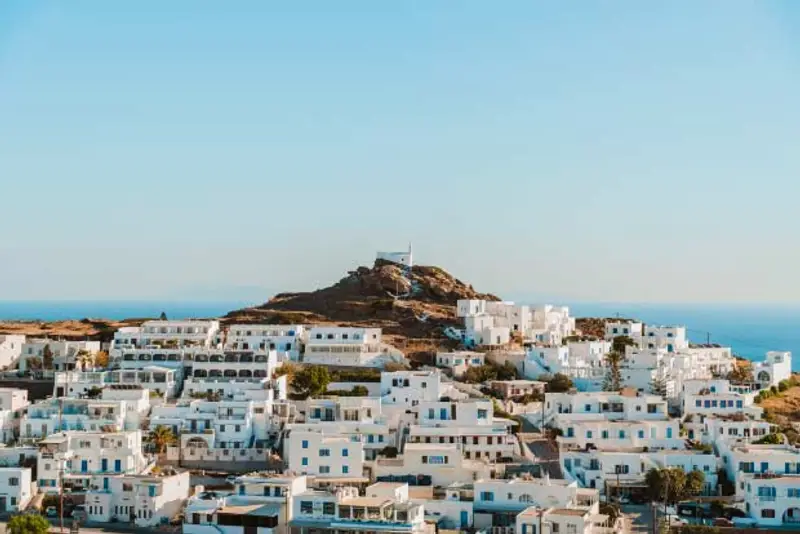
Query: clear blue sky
{"x":624,"y":151}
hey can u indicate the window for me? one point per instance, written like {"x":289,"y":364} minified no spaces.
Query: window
{"x":487,"y":496}
{"x":641,"y":434}
{"x":483,"y":414}
{"x":305,"y":443}
{"x":605,"y":434}
{"x":587,"y":408}
{"x":13,"y":481}
{"x":306,"y":507}
{"x":572,"y":529}
{"x":345,"y":469}
{"x":328,"y":508}
{"x":588,"y":434}
{"x":621,"y":434}
{"x":345,"y":452}
{"x":324,"y":452}
{"x":304,"y":461}
{"x":324,"y":469}
{"x":768,"y":513}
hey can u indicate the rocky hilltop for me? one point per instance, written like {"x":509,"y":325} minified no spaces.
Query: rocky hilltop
{"x":413,"y":311}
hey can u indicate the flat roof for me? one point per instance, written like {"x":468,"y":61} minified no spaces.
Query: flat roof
{"x":250,"y":509}
{"x":365,"y":501}
{"x":577,"y":512}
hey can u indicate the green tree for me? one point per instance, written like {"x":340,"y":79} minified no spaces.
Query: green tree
{"x":558,"y":383}
{"x":161,"y":437}
{"x":28,"y":524}
{"x":507,"y":371}
{"x":658,"y":386}
{"x":673,"y":484}
{"x":359,"y":391}
{"x":695,"y":483}
{"x":311,"y":381}
{"x":775,"y":438}
{"x":94,"y":392}
{"x":47,"y":357}
{"x":619,"y":343}
{"x":163,"y":316}
{"x":613,"y":378}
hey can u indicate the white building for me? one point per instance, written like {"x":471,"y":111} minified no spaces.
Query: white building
{"x":11,"y":347}
{"x":459,"y":361}
{"x":731,"y":428}
{"x":386,"y":508}
{"x":470,"y":425}
{"x":599,"y":469}
{"x":146,"y":500}
{"x":259,"y":501}
{"x":285,"y":339}
{"x":671,"y":338}
{"x":312,"y":452}
{"x":743,"y":461}
{"x":433,"y":464}
{"x":776,"y":366}
{"x":85,"y":460}
{"x":64,"y":353}
{"x":497,"y":503}
{"x":409,"y":388}
{"x":628,"y":405}
{"x":773,"y":500}
{"x":233,"y":365}
{"x":583,"y":520}
{"x":631,"y":329}
{"x":165,"y":334}
{"x":355,"y":418}
{"x":163,"y":381}
{"x":53,"y":415}
{"x":16,"y":489}
{"x":717,"y":398}
{"x":350,"y":346}
{"x":13,"y":403}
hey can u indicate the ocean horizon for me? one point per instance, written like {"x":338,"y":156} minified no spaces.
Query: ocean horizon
{"x":751,"y":330}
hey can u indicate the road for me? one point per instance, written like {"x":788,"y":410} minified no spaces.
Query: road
{"x":638,"y":518}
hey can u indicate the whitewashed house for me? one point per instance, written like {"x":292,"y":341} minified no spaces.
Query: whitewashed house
{"x":351,"y":346}
{"x":776,"y":366}
{"x":622,"y":327}
{"x":433,"y":463}
{"x":259,"y":501}
{"x":16,"y":489}
{"x":355,"y":418}
{"x":86,"y":460}
{"x":742,"y":461}
{"x":146,"y":500}
{"x":286,"y":340}
{"x":773,"y":500}
{"x":64,"y":353}
{"x":468,"y":424}
{"x":671,"y":338}
{"x":497,"y":503}
{"x":409,"y":388}
{"x":386,"y":508}
{"x":717,"y":397}
{"x":312,"y":452}
{"x":458,"y":362}
{"x":94,"y":415}
{"x":11,"y":347}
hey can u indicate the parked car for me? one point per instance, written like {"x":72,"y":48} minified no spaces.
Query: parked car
{"x":675,"y":521}
{"x":730,"y":512}
{"x":230,"y":479}
{"x":723,"y":522}
{"x":51,"y":511}
{"x":79,"y":513}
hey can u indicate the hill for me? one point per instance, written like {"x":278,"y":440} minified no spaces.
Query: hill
{"x":71,"y":330}
{"x":368,"y":296}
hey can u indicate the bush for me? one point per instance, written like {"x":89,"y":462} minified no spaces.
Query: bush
{"x":28,"y":524}
{"x":558,"y":383}
{"x":389,"y":452}
{"x":770,"y":439}
{"x":783,"y":385}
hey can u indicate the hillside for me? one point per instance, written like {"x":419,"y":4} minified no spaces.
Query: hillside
{"x":366,"y":297}
{"x":74,"y":330}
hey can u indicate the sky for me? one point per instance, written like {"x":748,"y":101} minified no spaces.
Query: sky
{"x":619,"y":151}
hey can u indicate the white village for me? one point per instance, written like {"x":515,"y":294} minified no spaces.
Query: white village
{"x":518,"y":422}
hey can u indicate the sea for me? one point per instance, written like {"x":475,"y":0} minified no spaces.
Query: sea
{"x":751,"y":330}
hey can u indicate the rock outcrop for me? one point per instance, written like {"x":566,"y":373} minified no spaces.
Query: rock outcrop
{"x":413,"y":308}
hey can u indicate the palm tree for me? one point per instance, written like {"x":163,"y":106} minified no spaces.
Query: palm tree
{"x":161,"y":437}
{"x":84,"y":358}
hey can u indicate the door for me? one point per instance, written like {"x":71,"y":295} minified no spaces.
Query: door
{"x":118,"y":466}
{"x":104,"y":465}
{"x":2,"y":504}
{"x":84,"y":466}
{"x":464,"y":519}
